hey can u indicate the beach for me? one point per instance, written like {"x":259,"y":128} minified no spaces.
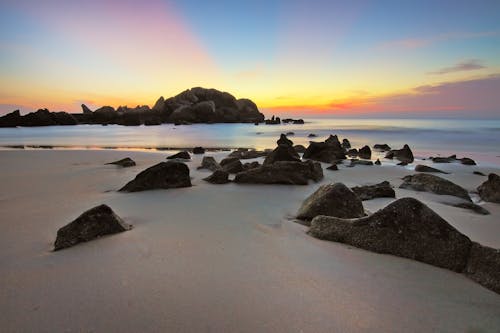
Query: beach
{"x":219,"y":258}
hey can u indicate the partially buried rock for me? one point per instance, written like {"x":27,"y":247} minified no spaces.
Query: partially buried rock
{"x":124,"y":162}
{"x":368,"y":192}
{"x":198,"y":150}
{"x":282,"y":153}
{"x":243,"y":154}
{"x":434,"y":184}
{"x":283,"y":140}
{"x":164,"y":175}
{"x":331,"y":200}
{"x":490,"y":189}
{"x":288,"y":173}
{"x":483,"y":266}
{"x":231,"y":165}
{"x":218,"y":177}
{"x":183,"y":155}
{"x":479,"y":173}
{"x":96,"y":222}
{"x":311,"y":135}
{"x":425,"y":168}
{"x":405,"y":228}
{"x":365,"y":152}
{"x":208,"y":162}
{"x":404,"y":154}
{"x":467,"y":161}
{"x":472,"y":206}
{"x":448,"y":159}
{"x":355,"y":162}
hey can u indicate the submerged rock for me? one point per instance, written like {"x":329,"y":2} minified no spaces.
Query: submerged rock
{"x":284,"y":172}
{"x":124,"y":162}
{"x":96,"y":222}
{"x":218,"y":177}
{"x":331,"y":200}
{"x":425,"y":168}
{"x":380,"y":190}
{"x":164,"y":175}
{"x":448,"y":159}
{"x":405,"y":228}
{"x":404,"y":154}
{"x":490,"y":189}
{"x":467,"y":161}
{"x":431,"y":183}
{"x":183,"y":155}
{"x":282,"y":153}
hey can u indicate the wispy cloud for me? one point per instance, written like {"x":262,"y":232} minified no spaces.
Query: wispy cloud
{"x":467,"y":65}
{"x":414,"y":43}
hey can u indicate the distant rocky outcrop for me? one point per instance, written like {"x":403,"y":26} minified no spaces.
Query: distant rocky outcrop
{"x":490,"y":189}
{"x":96,"y":222}
{"x":164,"y":175}
{"x":284,"y":172}
{"x":124,"y":162}
{"x":434,"y":184}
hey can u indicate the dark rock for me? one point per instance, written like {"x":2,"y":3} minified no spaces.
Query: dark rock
{"x":405,"y":228}
{"x":299,"y":149}
{"x":346,"y":144}
{"x":312,"y":135}
{"x":355,"y":162}
{"x":125,"y":162}
{"x":402,"y":163}
{"x":377,"y":162}
{"x":164,"y":175}
{"x":42,"y":117}
{"x":283,"y":140}
{"x":86,"y":110}
{"x":448,"y":159}
{"x":292,"y":173}
{"x":431,"y":183}
{"x":244,"y":154}
{"x":218,"y":177}
{"x":331,"y":200}
{"x":467,"y":161}
{"x":198,"y":150}
{"x":96,"y":222}
{"x":365,"y":153}
{"x":404,"y":154}
{"x":381,"y":147}
{"x":293,"y":121}
{"x":368,"y":192}
{"x":483,"y":266}
{"x":490,"y":189}
{"x":12,"y":119}
{"x":183,"y":155}
{"x":64,"y":118}
{"x":333,"y":140}
{"x":472,"y":206}
{"x":252,"y":165}
{"x":479,"y":173}
{"x":425,"y":168}
{"x":231,"y":165}
{"x":327,"y":152}
{"x":333,"y":167}
{"x":352,"y":152}
{"x":283,"y":152}
{"x":290,"y":133}
{"x":208,"y":162}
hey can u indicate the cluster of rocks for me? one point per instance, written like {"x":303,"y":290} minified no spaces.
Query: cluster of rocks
{"x":453,"y":158}
{"x":196,"y":105}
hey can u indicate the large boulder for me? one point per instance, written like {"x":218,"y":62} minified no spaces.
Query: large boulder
{"x":380,"y":190}
{"x":490,"y":189}
{"x":124,"y":162}
{"x":431,"y":183}
{"x":283,"y":152}
{"x":287,"y":172}
{"x":425,"y":168}
{"x":404,"y":154}
{"x":327,"y":152}
{"x":405,"y":228}
{"x":218,"y":177}
{"x":164,"y":175}
{"x":365,"y":152}
{"x":331,"y":200}
{"x":231,"y":165}
{"x":208,"y":162}
{"x":96,"y":222}
{"x":483,"y":266}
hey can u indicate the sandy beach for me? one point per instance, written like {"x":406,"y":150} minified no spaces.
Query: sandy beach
{"x":218,"y":258}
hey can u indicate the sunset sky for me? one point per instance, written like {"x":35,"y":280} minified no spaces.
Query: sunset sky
{"x":316,"y":57}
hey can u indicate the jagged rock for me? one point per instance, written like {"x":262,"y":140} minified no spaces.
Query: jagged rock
{"x":355,"y":162}
{"x":377,"y":162}
{"x":231,"y":165}
{"x":283,"y":140}
{"x":42,"y":117}
{"x":299,"y":149}
{"x":96,"y":222}
{"x":283,"y":152}
{"x":467,"y":161}
{"x":331,"y":200}
{"x":365,"y":152}
{"x":381,"y":147}
{"x":380,"y":190}
{"x":490,"y":189}
{"x":425,"y":168}
{"x":431,"y":183}
{"x":472,"y":206}
{"x":483,"y":266}
{"x":292,"y":173}
{"x":404,"y":154}
{"x":328,"y":151}
{"x":124,"y":162}
{"x":218,"y":177}
{"x":208,"y":162}
{"x":405,"y":228}
{"x":164,"y":175}
{"x":198,"y":150}
{"x":183,"y":155}
{"x":333,"y":140}
{"x":86,"y":110}
{"x":333,"y":167}
{"x":244,"y":154}
{"x":11,"y":119}
{"x":346,"y":144}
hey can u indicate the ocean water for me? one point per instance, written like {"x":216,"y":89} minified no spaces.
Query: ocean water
{"x":479,"y":139}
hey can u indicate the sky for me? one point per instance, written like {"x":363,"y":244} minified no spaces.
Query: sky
{"x":295,"y":57}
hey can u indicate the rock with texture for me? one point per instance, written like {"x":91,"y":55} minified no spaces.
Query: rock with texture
{"x":289,"y":173}
{"x":124,"y":162}
{"x":490,"y":189}
{"x":431,"y":183}
{"x":164,"y":175}
{"x":380,"y":190}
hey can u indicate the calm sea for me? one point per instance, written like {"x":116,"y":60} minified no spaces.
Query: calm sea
{"x":479,"y":139}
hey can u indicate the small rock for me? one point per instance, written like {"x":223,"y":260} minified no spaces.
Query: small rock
{"x":381,"y":147}
{"x":425,"y":168}
{"x":404,"y":154}
{"x":355,"y":162}
{"x":333,"y":167}
{"x":346,"y":144}
{"x":291,"y":173}
{"x":490,"y":189}
{"x":377,"y":162}
{"x":368,"y":192}
{"x":479,"y":173}
{"x":218,"y":177}
{"x":312,"y":135}
{"x":231,"y":165}
{"x":198,"y":150}
{"x":472,"y":206}
{"x":124,"y":163}
{"x":183,"y":155}
{"x":365,"y":152}
{"x":299,"y":149}
{"x":208,"y":162}
{"x":283,"y":152}
{"x":290,"y":133}
{"x":467,"y":161}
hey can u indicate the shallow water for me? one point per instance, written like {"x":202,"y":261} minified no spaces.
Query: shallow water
{"x":479,"y":139}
